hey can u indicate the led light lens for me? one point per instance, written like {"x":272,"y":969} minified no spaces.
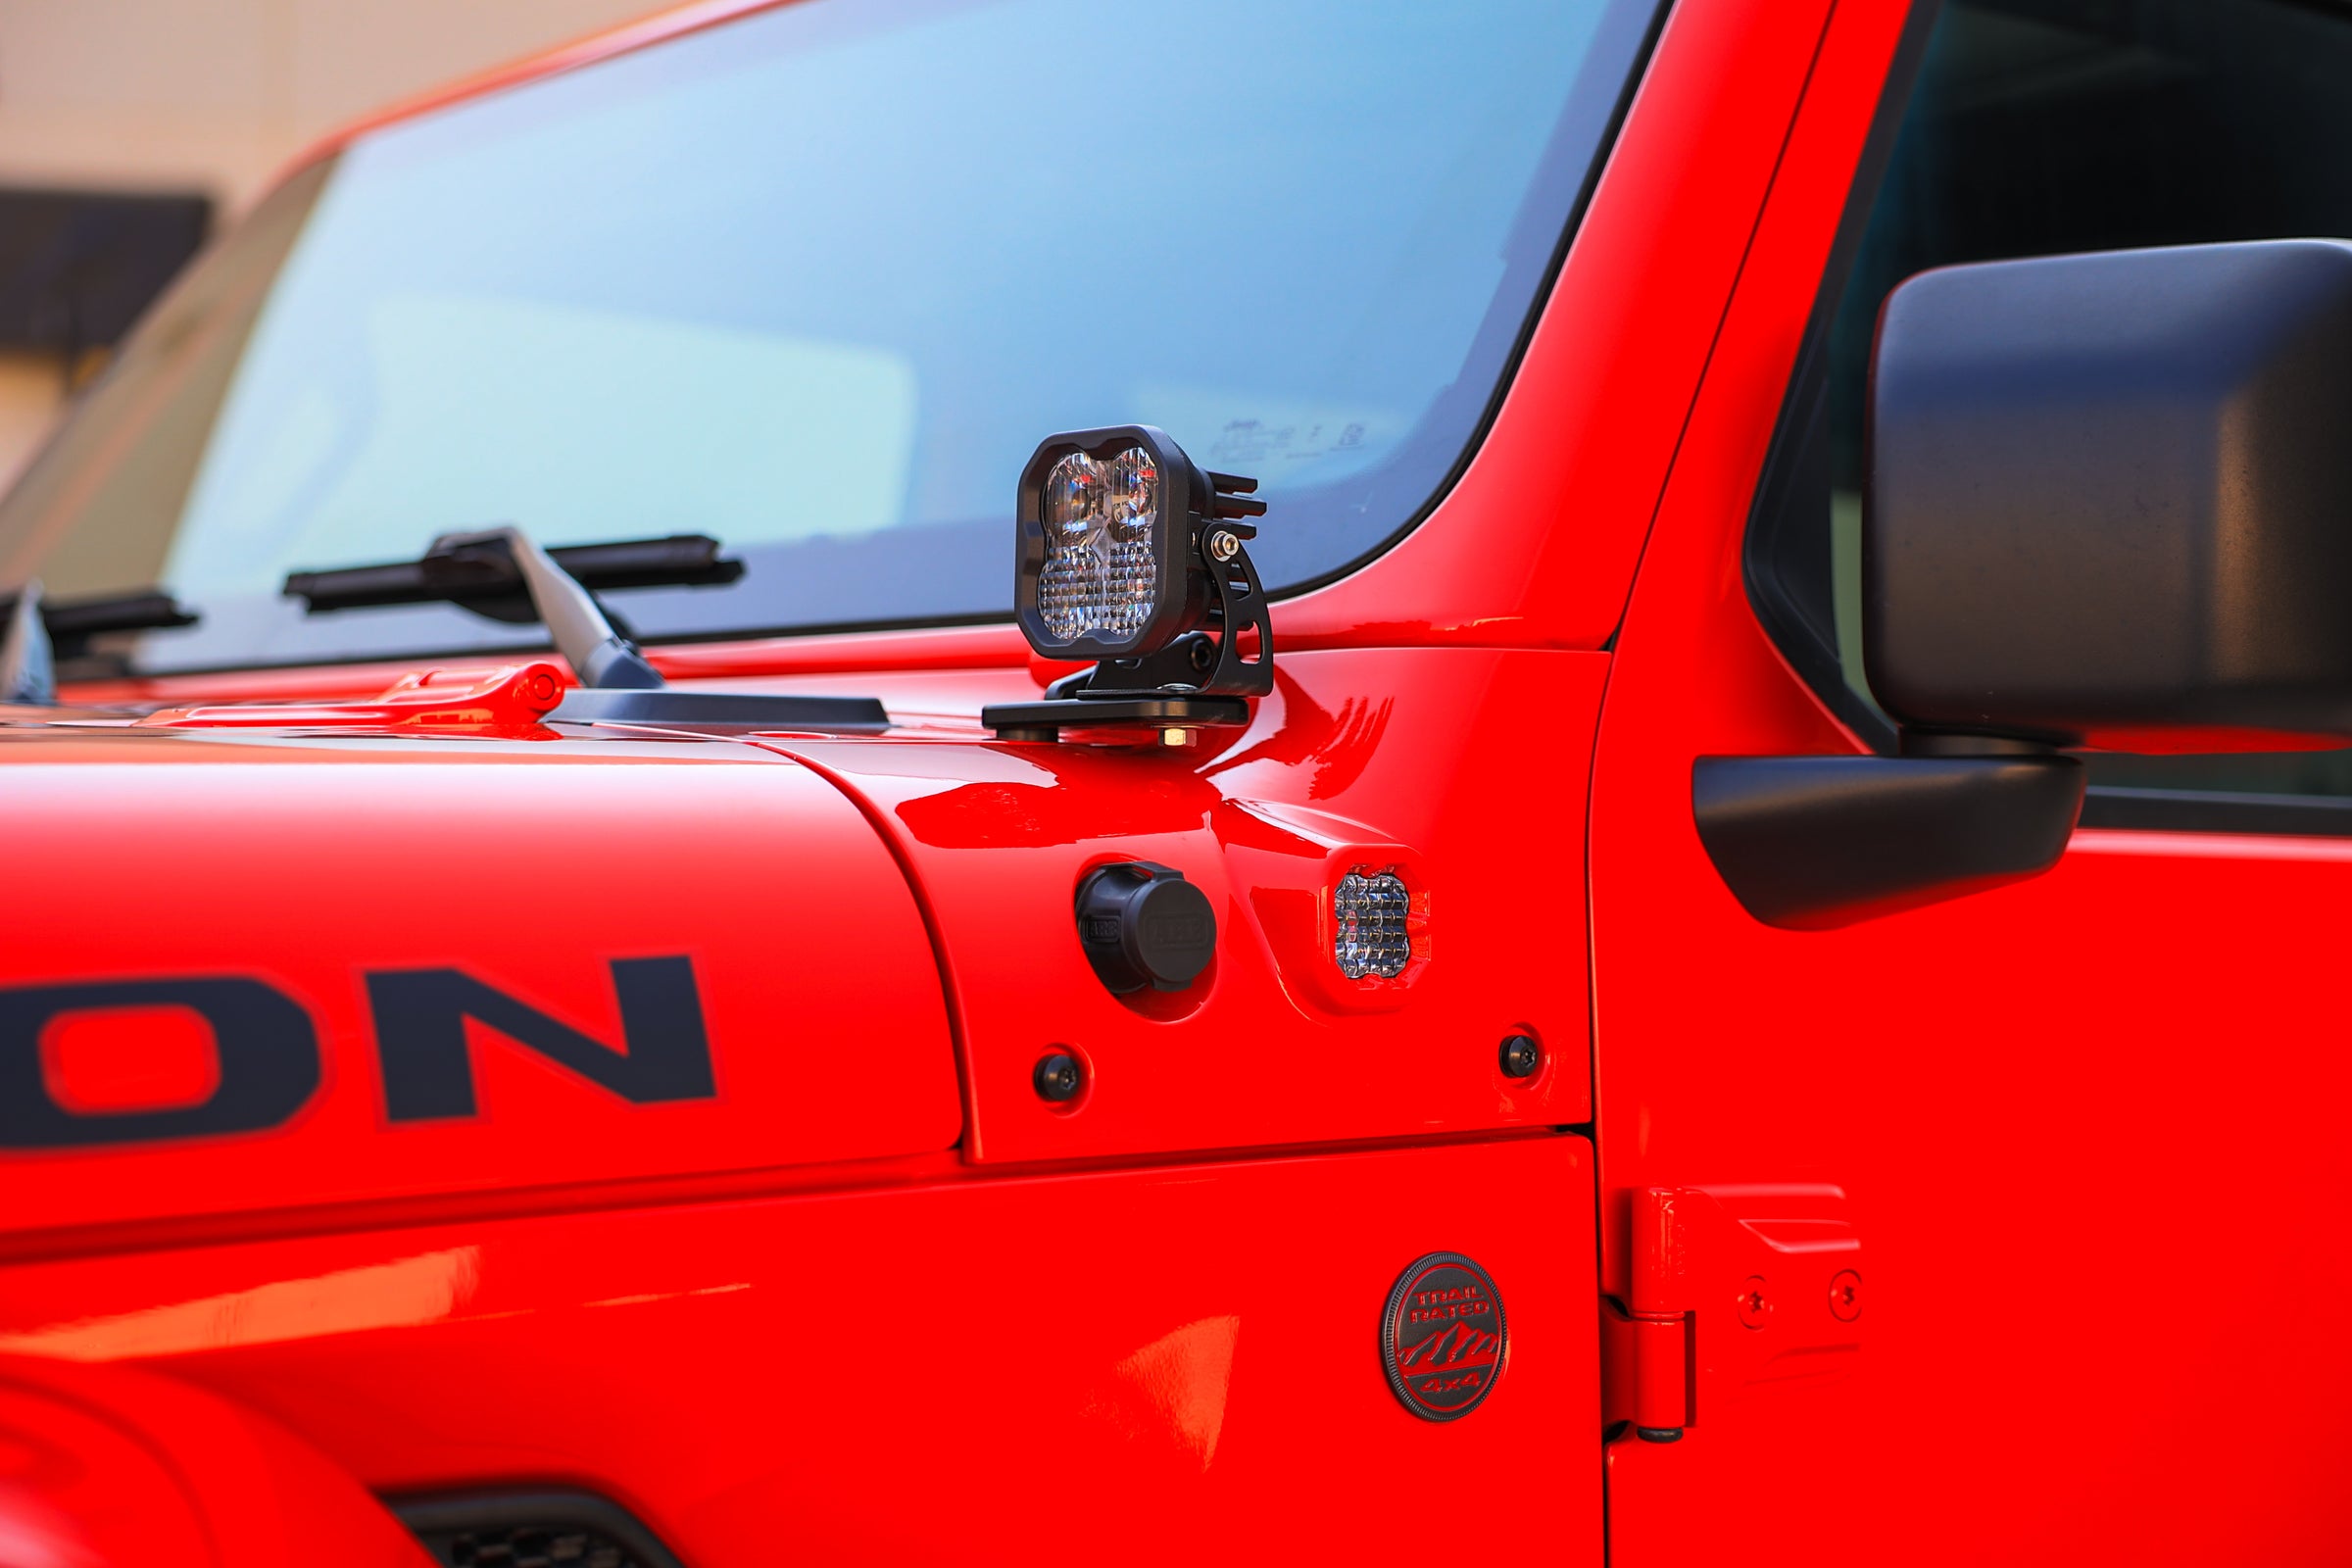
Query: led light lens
{"x":1074,"y":497}
{"x":1069,"y":585}
{"x":1100,"y":575}
{"x":1368,"y":918}
{"x":1129,"y":581}
{"x":1133,"y":485}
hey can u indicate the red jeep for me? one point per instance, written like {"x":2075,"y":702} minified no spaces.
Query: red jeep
{"x":1250,"y":780}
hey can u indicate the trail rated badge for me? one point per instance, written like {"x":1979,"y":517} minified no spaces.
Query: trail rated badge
{"x":1443,"y":1337}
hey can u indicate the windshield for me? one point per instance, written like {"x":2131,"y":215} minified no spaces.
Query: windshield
{"x":816,"y":282}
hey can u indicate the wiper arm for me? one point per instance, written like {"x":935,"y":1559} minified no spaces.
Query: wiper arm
{"x":477,"y":571}
{"x":575,"y":622}
{"x":28,"y":663}
{"x":617,"y":683}
{"x":487,"y":571}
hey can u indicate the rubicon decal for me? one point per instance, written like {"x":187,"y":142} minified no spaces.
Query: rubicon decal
{"x":266,"y":1049}
{"x":1443,"y":1337}
{"x":420,"y":1037}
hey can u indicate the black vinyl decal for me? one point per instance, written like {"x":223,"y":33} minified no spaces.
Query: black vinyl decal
{"x":265,"y":1048}
{"x":420,"y":1037}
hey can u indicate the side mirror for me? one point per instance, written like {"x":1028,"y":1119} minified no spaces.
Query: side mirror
{"x":2112,"y":494}
{"x":2109,"y":504}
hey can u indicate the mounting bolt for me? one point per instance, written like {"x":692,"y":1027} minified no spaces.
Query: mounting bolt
{"x":1845,"y":1295}
{"x":1754,"y":1306}
{"x":1521,"y":1056}
{"x":1222,"y":545}
{"x":1057,"y":1077}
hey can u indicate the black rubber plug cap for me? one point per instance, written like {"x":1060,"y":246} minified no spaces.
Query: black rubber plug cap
{"x":1142,"y":924}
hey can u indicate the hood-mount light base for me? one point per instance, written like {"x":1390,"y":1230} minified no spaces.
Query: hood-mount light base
{"x":1046,"y":720}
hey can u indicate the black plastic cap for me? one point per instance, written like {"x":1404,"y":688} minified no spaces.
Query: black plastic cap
{"x":616,"y":666}
{"x":1142,"y":924}
{"x":2111,"y":492}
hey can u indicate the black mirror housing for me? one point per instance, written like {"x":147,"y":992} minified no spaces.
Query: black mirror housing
{"x":2112,"y":494}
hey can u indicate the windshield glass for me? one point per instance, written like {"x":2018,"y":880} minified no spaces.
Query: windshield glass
{"x":816,"y":282}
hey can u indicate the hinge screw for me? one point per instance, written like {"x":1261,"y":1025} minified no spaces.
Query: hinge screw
{"x":1845,"y":1295}
{"x":1754,"y":1306}
{"x":1521,"y":1056}
{"x":1058,"y":1077}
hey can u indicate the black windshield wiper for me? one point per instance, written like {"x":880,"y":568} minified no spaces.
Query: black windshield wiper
{"x":39,"y":631}
{"x":477,"y":571}
{"x":77,"y":619}
{"x":72,"y":622}
{"x":615,"y":681}
{"x":458,"y":566}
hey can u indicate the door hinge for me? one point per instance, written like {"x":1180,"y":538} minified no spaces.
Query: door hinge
{"x":1731,"y":1289}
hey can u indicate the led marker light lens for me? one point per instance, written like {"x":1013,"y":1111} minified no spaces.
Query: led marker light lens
{"x":1368,"y":913}
{"x":1100,"y":574}
{"x":1070,"y":584}
{"x":1129,"y":571}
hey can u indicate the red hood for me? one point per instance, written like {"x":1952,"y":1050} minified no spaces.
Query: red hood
{"x":417,"y":960}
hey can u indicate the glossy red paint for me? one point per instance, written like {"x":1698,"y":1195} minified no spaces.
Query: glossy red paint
{"x":769,"y":1311}
{"x":1169,"y":1364}
{"x":926,"y":650}
{"x":1361,"y":757}
{"x":509,"y":699}
{"x":2047,"y":1102}
{"x":307,"y":863}
{"x":1776,"y":1274}
{"x":878,"y":1300}
{"x":106,"y":1464}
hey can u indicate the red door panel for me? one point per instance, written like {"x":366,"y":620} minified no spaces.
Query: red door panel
{"x":2088,"y":1127}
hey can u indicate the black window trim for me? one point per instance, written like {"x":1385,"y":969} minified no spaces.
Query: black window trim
{"x":1786,"y":549}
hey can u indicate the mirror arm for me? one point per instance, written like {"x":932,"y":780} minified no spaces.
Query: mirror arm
{"x":1811,"y":842}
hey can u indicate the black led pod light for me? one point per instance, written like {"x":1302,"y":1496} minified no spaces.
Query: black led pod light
{"x":1130,"y":554}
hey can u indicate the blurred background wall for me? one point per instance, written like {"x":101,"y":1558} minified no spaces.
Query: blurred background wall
{"x":200,"y":102}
